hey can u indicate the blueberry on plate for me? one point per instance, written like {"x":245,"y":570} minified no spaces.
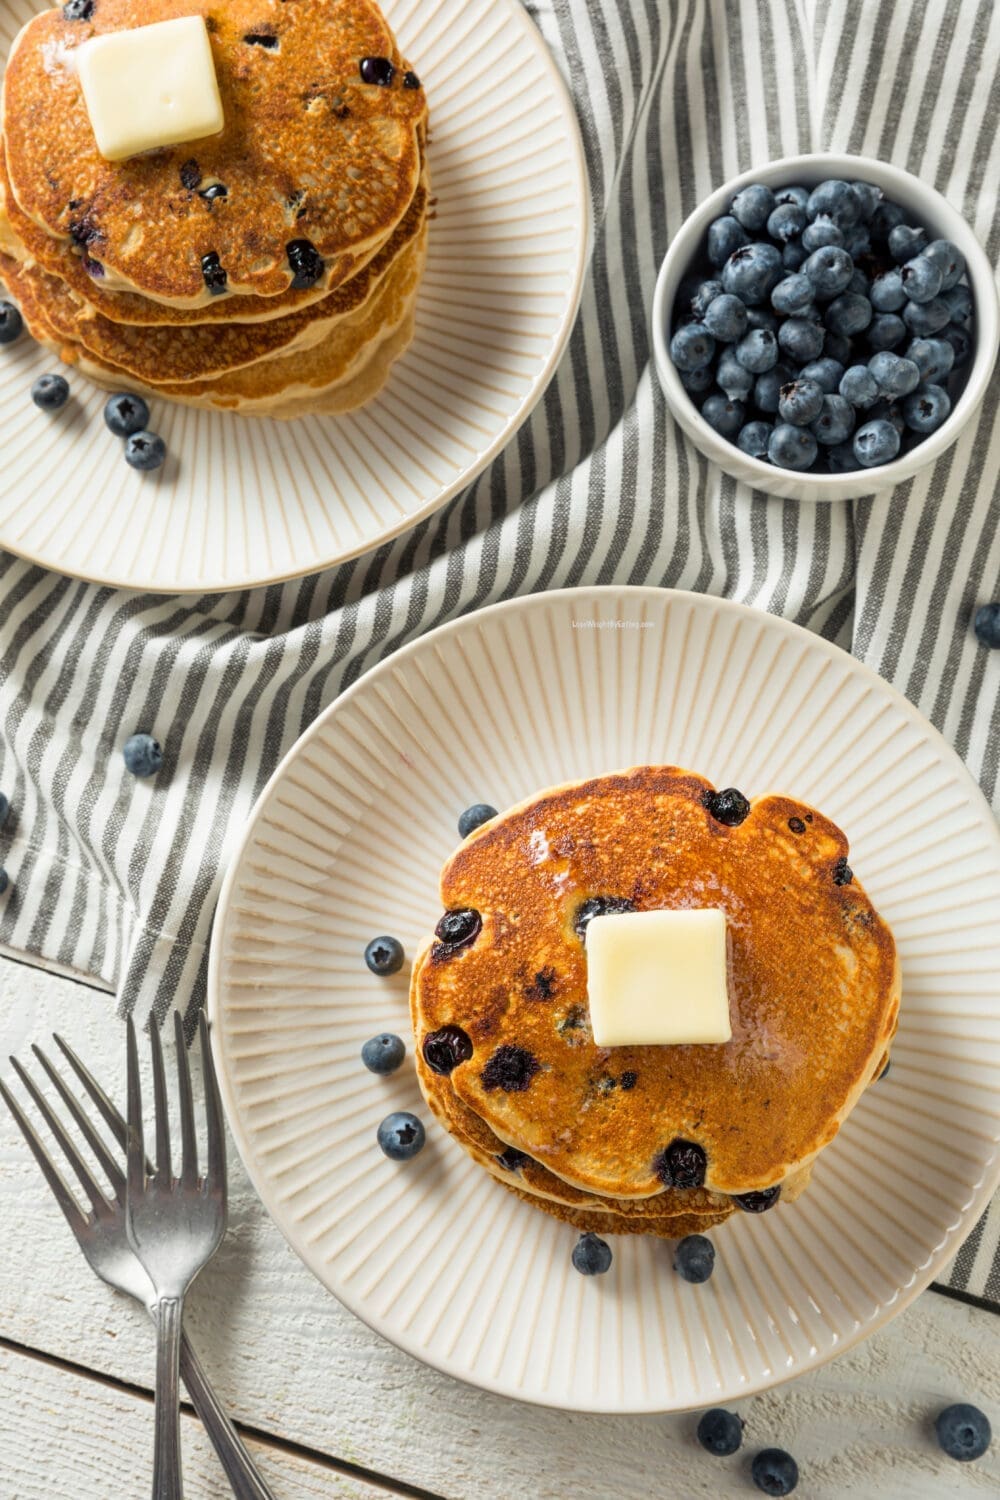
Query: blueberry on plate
{"x":143,"y":755}
{"x":11,"y":323}
{"x":694,"y":1258}
{"x":792,"y":447}
{"x":145,"y":450}
{"x":474,"y":817}
{"x":963,"y":1431}
{"x":592,"y":1255}
{"x":384,"y":955}
{"x":926,"y":408}
{"x":876,"y":443}
{"x":384,"y":1053}
{"x":720,"y":1432}
{"x":692,"y":347}
{"x":401,"y":1136}
{"x":50,"y":392}
{"x":125,"y":413}
{"x":774,"y":1471}
{"x":987,"y":626}
{"x":727,"y":417}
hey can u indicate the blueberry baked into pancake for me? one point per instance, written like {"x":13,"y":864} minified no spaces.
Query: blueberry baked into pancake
{"x":262,"y":257}
{"x":649,"y":1003}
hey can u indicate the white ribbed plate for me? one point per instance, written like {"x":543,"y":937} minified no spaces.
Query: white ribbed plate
{"x":347,"y":842}
{"x":245,"y":501}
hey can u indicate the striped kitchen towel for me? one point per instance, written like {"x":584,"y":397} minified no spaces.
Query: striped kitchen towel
{"x":119,"y":878}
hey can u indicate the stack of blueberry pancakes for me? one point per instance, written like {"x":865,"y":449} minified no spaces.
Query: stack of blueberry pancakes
{"x":661,"y":1140}
{"x":271,"y":267}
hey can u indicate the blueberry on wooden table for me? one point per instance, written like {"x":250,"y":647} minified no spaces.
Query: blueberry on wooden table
{"x":694,"y":1258}
{"x":720,"y":1432}
{"x":50,"y":392}
{"x":384,"y":955}
{"x":384,"y":1053}
{"x":143,"y":755}
{"x":125,"y":414}
{"x":401,"y":1136}
{"x":774,"y":1471}
{"x":592,"y":1255}
{"x":963,"y":1431}
{"x":11,"y":323}
{"x":145,"y":451}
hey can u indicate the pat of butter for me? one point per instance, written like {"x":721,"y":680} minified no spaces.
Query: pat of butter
{"x":150,"y":86}
{"x":658,"y":977}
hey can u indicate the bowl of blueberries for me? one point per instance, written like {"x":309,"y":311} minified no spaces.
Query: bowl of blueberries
{"x":824,"y":326}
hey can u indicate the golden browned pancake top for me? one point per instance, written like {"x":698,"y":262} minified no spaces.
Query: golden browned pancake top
{"x":814,"y":985}
{"x":309,"y":151}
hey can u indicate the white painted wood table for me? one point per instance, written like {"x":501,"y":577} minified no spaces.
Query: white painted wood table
{"x":331,"y":1410}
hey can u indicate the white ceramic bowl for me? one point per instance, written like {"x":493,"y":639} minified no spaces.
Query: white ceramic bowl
{"x":923,"y":205}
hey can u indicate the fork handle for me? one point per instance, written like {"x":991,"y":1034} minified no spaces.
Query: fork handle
{"x":241,"y":1471}
{"x":167,"y":1482}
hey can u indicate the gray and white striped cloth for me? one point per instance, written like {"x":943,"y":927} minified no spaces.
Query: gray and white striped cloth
{"x":118,"y":878}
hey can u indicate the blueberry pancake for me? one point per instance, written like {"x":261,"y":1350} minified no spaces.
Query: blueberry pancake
{"x":500,"y":1007}
{"x":316,"y":165}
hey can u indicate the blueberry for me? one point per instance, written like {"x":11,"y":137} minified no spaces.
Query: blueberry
{"x":694,"y":1258}
{"x":800,"y":339}
{"x":887,"y":293}
{"x":510,"y":1069}
{"x":4,"y":880}
{"x":926,"y":408}
{"x":793,"y":255}
{"x":793,"y":294}
{"x":726,"y":318}
{"x":957,"y":299}
{"x":759,"y":1202}
{"x":921,"y":279}
{"x":753,"y":205}
{"x":751,"y":271}
{"x":377,"y":70}
{"x":830,"y":270}
{"x":836,"y":200}
{"x":987,"y":626}
{"x":822,"y":232}
{"x":960,"y":341}
{"x":383,"y":1053}
{"x":305,"y":262}
{"x":785,"y":222}
{"x":762,"y":317}
{"x":444,"y":1049}
{"x":905,"y":243}
{"x":774,"y":1471}
{"x":384,"y":955}
{"x":926,"y":318}
{"x":213,"y":191}
{"x":213,"y":273}
{"x":757,"y":351}
{"x":886,"y":331}
{"x":720,"y":1432}
{"x":456,"y":930}
{"x":190,"y":175}
{"x":725,"y":236}
{"x":681,"y":1165}
{"x":474,"y":817}
{"x":840,"y":459}
{"x":754,"y":438}
{"x":732,"y":377}
{"x":793,"y":194}
{"x":11,"y":323}
{"x":767,"y":390}
{"x":949,"y":260}
{"x":125,"y":413}
{"x":835,"y":346}
{"x":859,"y":387}
{"x":142,"y":754}
{"x":885,"y":1071}
{"x":884,"y":220}
{"x":50,"y":392}
{"x":513,"y":1160}
{"x":895,"y":376}
{"x":801,"y":402}
{"x":599,"y":906}
{"x":704,"y":295}
{"x":410,"y":80}
{"x":401,"y":1136}
{"x":145,"y":450}
{"x":727,"y":417}
{"x":826,"y":372}
{"x":876,"y":443}
{"x":697,"y":382}
{"x":963,"y":1431}
{"x":728,"y":806}
{"x":78,"y":10}
{"x":848,"y":314}
{"x":792,"y":447}
{"x":692,"y":347}
{"x":835,"y":422}
{"x":887,"y":411}
{"x":592,"y":1255}
{"x":869,"y":197}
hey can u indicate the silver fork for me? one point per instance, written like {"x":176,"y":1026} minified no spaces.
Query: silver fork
{"x":103,"y":1239}
{"x":175,"y":1225}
